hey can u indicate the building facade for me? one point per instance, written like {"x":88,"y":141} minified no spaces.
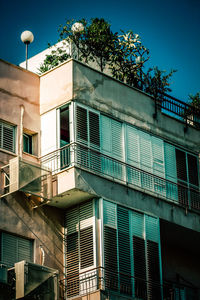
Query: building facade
{"x":107,"y":188}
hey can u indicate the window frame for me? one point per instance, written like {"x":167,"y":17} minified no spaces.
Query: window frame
{"x":9,"y":126}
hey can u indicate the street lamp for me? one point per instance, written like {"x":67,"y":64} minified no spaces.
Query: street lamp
{"x":27,"y":38}
{"x":77,"y":28}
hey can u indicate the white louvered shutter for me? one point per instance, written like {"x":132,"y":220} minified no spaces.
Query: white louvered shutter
{"x":133,"y":155}
{"x":158,"y":165}
{"x":146,"y":160}
{"x":112,"y":146}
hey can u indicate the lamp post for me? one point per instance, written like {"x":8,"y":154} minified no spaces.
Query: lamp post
{"x":77,"y":28}
{"x":27,"y":38}
{"x":139,"y":61}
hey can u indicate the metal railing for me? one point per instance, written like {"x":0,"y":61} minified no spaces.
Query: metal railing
{"x":94,"y":161}
{"x":184,"y":111}
{"x":124,"y":284}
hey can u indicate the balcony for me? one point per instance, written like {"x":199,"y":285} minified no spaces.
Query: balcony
{"x":90,"y":160}
{"x":124,"y":286}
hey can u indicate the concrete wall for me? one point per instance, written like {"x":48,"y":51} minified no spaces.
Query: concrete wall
{"x":56,"y":87}
{"x":44,"y":225}
{"x":19,"y":87}
{"x":110,"y":96}
{"x":135,"y":199}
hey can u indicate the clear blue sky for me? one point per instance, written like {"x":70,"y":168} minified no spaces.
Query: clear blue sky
{"x":170,"y":29}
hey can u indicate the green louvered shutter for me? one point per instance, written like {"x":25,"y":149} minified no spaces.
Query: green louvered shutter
{"x":124,"y":250}
{"x":146,"y":160}
{"x":170,"y":172}
{"x":153,"y":257}
{"x":133,"y":155}
{"x":72,"y":249}
{"x":139,"y":257}
{"x":15,"y":249}
{"x":110,"y":246}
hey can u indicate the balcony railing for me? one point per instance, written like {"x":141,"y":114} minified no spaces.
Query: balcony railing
{"x":179,"y":109}
{"x":126,"y":285}
{"x":91,"y":160}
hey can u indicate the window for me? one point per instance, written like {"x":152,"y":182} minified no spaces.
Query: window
{"x":14,"y":249}
{"x":27,"y":143}
{"x":7,"y":137}
{"x":80,"y":246}
{"x":188,"y":179}
{"x":132,"y":258}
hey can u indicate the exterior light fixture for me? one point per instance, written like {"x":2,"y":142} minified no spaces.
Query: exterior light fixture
{"x":77,"y":28}
{"x":139,"y":60}
{"x":27,"y":38}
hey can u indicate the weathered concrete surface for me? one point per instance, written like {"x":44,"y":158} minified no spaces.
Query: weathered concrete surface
{"x":44,"y":225}
{"x":110,"y":96}
{"x":19,"y":87}
{"x":56,"y":87}
{"x":135,"y":199}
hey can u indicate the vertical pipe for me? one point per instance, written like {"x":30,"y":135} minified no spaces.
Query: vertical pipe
{"x":27,"y":55}
{"x":21,"y":131}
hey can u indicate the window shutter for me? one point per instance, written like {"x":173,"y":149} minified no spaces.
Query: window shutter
{"x":25,"y":250}
{"x":154,"y":287}
{"x":106,"y":135}
{"x":110,"y":258}
{"x":158,"y":156}
{"x":152,"y":228}
{"x":1,"y":135}
{"x":193,"y":170}
{"x":72,"y":263}
{"x":153,"y":261}
{"x":117,"y":139}
{"x":146,"y":160}
{"x":15,"y":249}
{"x":133,"y":156}
{"x":170,"y":171}
{"x":124,"y":250}
{"x":86,"y":216}
{"x":7,"y":137}
{"x":9,"y":249}
{"x":110,"y":245}
{"x":145,"y":151}
{"x":132,"y":146}
{"x":170,"y":162}
{"x":82,"y":125}
{"x":139,"y":260}
{"x":94,"y":130}
{"x":181,"y":165}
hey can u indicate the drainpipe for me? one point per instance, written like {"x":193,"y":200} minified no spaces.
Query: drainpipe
{"x":21,"y":130}
{"x":42,"y":256}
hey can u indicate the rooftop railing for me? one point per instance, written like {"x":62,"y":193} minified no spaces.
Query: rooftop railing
{"x":185,"y":112}
{"x":78,"y":155}
{"x":126,"y":285}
